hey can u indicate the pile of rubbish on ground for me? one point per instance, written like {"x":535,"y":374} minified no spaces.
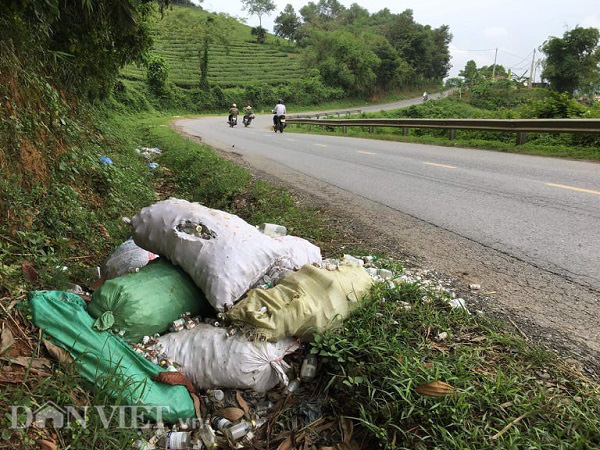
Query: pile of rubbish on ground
{"x":203,"y":319}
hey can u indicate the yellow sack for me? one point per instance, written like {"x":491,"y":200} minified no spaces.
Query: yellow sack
{"x":305,"y":303}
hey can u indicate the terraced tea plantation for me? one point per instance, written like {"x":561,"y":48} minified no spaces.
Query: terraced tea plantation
{"x":247,"y":62}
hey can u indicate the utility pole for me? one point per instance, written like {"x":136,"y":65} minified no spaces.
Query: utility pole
{"x":494,"y":69}
{"x":530,"y":84}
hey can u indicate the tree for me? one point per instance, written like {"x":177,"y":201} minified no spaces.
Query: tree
{"x":259,"y":8}
{"x":287,"y":23}
{"x":469,"y":73}
{"x":572,"y":61}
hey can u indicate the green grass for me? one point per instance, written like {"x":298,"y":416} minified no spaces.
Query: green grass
{"x":276,"y":62}
{"x":508,"y":394}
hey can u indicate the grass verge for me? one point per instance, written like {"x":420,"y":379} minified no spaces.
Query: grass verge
{"x":415,"y":137}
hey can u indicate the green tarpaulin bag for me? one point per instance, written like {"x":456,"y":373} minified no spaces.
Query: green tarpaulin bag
{"x":146,"y":302}
{"x":309,"y":301}
{"x":101,"y":356}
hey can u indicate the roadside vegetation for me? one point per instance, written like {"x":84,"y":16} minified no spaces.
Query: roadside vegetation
{"x":61,"y":209}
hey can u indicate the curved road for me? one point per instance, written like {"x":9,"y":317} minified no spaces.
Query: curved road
{"x":543,"y":212}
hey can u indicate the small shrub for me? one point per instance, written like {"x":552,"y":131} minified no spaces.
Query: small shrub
{"x":157,"y":74}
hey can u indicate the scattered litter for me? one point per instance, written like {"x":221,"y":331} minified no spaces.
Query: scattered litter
{"x":352,"y":261}
{"x":435,"y":389}
{"x":475,"y":287}
{"x":459,"y":303}
{"x":152,"y":165}
{"x":309,"y":368}
{"x":442,"y":336}
{"x":272,"y":230}
{"x":127,"y":258}
{"x":105,"y":160}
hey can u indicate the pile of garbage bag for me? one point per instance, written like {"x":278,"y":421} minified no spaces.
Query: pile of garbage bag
{"x":222,"y":307}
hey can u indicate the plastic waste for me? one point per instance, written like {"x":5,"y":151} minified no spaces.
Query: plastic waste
{"x":352,"y":261}
{"x":176,"y":440}
{"x":299,"y":252}
{"x":239,"y":430}
{"x":221,"y":423}
{"x":102,"y":357}
{"x":152,"y":165}
{"x":127,"y":258}
{"x":211,"y":359}
{"x":272,"y":230}
{"x":294,"y":386}
{"x":147,"y":302}
{"x":308,"y":369}
{"x":208,"y":436}
{"x":306,"y":302}
{"x":215,"y":395}
{"x":105,"y":160}
{"x":226,"y":260}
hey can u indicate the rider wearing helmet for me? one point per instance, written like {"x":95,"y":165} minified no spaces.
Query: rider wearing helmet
{"x":278,"y":111}
{"x":247,"y":113}
{"x":233,"y":112}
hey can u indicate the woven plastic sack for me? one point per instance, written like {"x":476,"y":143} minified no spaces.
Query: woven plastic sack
{"x":211,"y":359}
{"x":306,"y":302}
{"x":102,"y":357}
{"x":224,"y":255}
{"x":299,"y":252}
{"x":127,"y":258}
{"x":144,"y":303}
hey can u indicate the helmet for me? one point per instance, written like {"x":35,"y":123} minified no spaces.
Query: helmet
{"x":234,"y":106}
{"x":280,"y":102}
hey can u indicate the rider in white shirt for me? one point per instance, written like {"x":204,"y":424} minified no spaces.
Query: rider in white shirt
{"x":278,"y":111}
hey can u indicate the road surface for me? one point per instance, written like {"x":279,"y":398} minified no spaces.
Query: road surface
{"x":537,"y":219}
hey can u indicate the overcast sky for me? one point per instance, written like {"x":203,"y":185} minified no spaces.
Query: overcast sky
{"x":516,"y":27}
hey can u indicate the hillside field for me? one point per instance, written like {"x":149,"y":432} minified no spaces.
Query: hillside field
{"x":275,"y":63}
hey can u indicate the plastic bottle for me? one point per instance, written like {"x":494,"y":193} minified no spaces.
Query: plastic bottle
{"x":141,"y":445}
{"x":220,"y":423}
{"x":292,"y":387}
{"x":215,"y":395}
{"x":309,"y":368}
{"x":239,"y":430}
{"x":263,"y":407}
{"x":271,"y":229}
{"x":208,"y":436}
{"x":176,"y":440}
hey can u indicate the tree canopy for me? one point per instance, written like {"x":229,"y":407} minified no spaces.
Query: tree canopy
{"x":259,"y":8}
{"x":287,"y":23}
{"x":572,"y":62}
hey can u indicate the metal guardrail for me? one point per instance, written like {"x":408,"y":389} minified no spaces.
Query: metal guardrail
{"x":326,"y":114}
{"x":519,"y":126}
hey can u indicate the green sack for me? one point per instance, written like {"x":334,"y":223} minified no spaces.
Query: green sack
{"x":146,"y":302}
{"x":307,"y":302}
{"x":103,"y":356}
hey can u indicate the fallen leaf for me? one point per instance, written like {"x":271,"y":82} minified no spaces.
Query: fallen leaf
{"x":506,"y":405}
{"x":36,"y":363}
{"x":428,"y":365}
{"x":435,"y":389}
{"x":242,"y":403}
{"x":46,"y":445}
{"x":479,"y":339}
{"x":287,"y":444}
{"x":29,"y":272}
{"x":232,"y":414}
{"x":58,"y":353}
{"x":6,"y":340}
{"x":347,"y":427}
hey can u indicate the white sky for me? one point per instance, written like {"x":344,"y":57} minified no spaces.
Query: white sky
{"x":516,"y":27}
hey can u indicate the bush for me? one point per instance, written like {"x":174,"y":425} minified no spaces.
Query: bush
{"x":555,"y":106}
{"x":157,"y":74}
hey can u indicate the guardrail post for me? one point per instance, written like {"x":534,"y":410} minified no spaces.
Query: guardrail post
{"x":344,"y":129}
{"x":371,"y":129}
{"x":404,"y":131}
{"x":452,"y":135}
{"x":309,"y":126}
{"x":521,"y":138}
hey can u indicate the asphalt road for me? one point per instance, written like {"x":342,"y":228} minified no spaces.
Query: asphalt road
{"x":544,"y":211}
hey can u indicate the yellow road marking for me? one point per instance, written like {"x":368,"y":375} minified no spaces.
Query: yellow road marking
{"x":365,"y":153}
{"x":320,"y":145}
{"x":440,"y":165}
{"x":572,"y":188}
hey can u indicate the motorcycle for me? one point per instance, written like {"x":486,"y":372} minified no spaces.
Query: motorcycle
{"x":248,"y":118}
{"x":279,"y":124}
{"x":232,"y":122}
{"x":425,"y":98}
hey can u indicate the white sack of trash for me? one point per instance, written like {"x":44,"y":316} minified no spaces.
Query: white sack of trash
{"x":212,"y":359}
{"x":224,"y":255}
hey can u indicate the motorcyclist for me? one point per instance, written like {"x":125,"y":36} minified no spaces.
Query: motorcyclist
{"x":247,"y":113}
{"x":278,"y":111}
{"x":425,"y":96}
{"x":233,"y":113}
